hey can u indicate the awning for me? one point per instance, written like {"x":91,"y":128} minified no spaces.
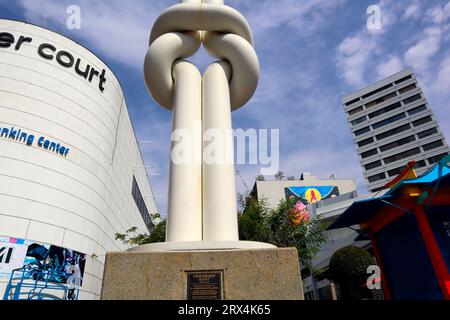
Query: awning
{"x":359,"y":212}
{"x":432,"y":178}
{"x":440,"y":173}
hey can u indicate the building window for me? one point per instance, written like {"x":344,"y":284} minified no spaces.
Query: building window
{"x":433,"y":145}
{"x":412,"y":99}
{"x":393,"y":132}
{"x":417,"y":110}
{"x":409,"y":88}
{"x":398,"y":143}
{"x":352,"y":102}
{"x":402,"y":155}
{"x":139,"y":200}
{"x":437,"y":158}
{"x":420,"y":164}
{"x":377,"y":177}
{"x":388,"y":121}
{"x":427,"y":133}
{"x":355,"y":111}
{"x":359,"y":120}
{"x":422,"y":121}
{"x":403,"y":80}
{"x":385,"y":110}
{"x":365,"y":142}
{"x":369,"y":153}
{"x":395,"y":172}
{"x":373,"y":165}
{"x":376,"y":91}
{"x":381,"y":100}
{"x":362,"y":131}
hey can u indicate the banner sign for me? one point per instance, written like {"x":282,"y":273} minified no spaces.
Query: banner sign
{"x":311,"y":194}
{"x":59,"y":265}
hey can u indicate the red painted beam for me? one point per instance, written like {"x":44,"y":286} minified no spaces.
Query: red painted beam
{"x":434,"y":252}
{"x":384,"y":283}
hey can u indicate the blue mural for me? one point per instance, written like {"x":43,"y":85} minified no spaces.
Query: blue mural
{"x":311,"y":194}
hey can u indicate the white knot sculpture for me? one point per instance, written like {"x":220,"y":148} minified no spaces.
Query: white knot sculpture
{"x":202,"y":196}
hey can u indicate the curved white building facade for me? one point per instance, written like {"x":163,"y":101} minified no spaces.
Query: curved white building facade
{"x":71,"y":172}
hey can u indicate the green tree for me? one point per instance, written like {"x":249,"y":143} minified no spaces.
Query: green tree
{"x":253,"y":220}
{"x":259,"y":223}
{"x":130,"y":237}
{"x":306,"y":236}
{"x":279,"y":175}
{"x":348,"y":267}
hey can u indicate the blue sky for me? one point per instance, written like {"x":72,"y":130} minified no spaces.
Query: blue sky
{"x":312,"y":53}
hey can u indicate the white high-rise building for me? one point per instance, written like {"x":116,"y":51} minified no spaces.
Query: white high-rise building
{"x":393,"y":124}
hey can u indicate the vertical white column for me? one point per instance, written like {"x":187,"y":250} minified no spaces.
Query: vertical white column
{"x":219,"y":189}
{"x":184,"y":221}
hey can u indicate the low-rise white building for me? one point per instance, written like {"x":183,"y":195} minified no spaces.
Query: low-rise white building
{"x":332,"y":198}
{"x":307,"y":187}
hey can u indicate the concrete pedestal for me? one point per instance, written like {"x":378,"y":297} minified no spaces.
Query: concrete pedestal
{"x":256,"y":274}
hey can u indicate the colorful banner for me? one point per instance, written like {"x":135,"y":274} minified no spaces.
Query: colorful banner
{"x":39,"y":260}
{"x":305,"y":195}
{"x":311,"y":194}
{"x":12,"y":256}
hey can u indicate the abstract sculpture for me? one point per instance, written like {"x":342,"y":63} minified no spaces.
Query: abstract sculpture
{"x":202,"y":194}
{"x":202,"y":231}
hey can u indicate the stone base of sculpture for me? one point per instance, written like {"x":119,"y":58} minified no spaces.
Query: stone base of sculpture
{"x":154,"y":273}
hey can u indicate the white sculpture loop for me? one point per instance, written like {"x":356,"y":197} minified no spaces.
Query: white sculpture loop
{"x":244,"y":64}
{"x":202,"y":196}
{"x":201,"y":17}
{"x":159,"y":61}
{"x":176,"y":35}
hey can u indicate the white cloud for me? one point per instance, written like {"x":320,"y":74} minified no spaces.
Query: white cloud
{"x":412,"y":11}
{"x":390,"y":13}
{"x":442,"y":83}
{"x":323,"y":163}
{"x":419,"y":55}
{"x":358,"y":51}
{"x":352,"y":58}
{"x":389,"y":67}
{"x":117,"y":29}
{"x":306,"y":15}
{"x":120,"y":29}
{"x":439,"y":14}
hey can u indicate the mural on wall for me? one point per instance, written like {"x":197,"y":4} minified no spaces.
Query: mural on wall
{"x":311,"y":194}
{"x":41,"y":261}
{"x":303,"y":196}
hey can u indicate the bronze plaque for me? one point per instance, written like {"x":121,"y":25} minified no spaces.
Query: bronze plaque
{"x":204,"y":285}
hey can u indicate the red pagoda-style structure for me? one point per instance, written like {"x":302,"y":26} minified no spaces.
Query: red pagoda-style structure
{"x":409,"y":228}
